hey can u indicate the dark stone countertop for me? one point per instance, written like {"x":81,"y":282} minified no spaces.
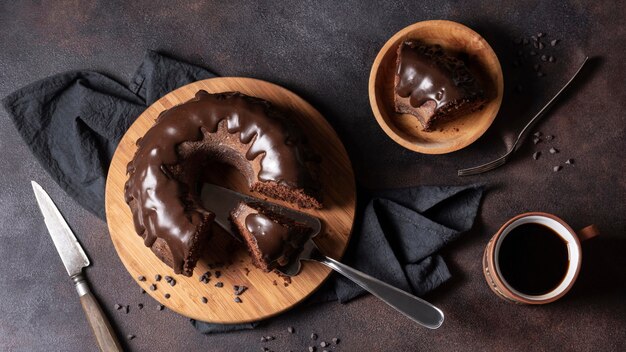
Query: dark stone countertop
{"x":323,"y":51}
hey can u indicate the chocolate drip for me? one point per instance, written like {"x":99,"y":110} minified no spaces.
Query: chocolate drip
{"x":270,"y":236}
{"x":163,"y":206}
{"x":427,"y":73}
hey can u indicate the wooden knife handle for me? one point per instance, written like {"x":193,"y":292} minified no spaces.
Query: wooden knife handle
{"x":107,"y":341}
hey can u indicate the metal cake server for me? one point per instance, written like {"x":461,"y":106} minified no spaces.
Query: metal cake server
{"x":75,"y":259}
{"x":503,"y":159}
{"x":222,"y":201}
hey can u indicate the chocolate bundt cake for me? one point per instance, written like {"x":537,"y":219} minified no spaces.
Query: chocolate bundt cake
{"x":272,"y":240}
{"x":163,"y":188}
{"x":433,"y":85}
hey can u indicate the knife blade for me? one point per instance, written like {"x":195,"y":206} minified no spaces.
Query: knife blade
{"x":74,"y":259}
{"x":72,"y":254}
{"x":221,"y":201}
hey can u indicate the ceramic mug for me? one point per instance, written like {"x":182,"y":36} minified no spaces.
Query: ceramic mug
{"x":572,"y":239}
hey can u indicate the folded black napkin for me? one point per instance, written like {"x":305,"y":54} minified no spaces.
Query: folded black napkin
{"x":73,"y":122}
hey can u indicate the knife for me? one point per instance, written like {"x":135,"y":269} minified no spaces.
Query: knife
{"x":75,"y":259}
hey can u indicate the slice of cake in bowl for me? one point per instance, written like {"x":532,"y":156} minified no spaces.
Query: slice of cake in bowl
{"x":433,"y":85}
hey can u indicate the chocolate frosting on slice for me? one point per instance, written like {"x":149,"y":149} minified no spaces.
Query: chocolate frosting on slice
{"x":427,"y":73}
{"x":270,"y":236}
{"x":165,"y":207}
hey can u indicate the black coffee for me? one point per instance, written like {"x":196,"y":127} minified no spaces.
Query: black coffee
{"x":533,"y":259}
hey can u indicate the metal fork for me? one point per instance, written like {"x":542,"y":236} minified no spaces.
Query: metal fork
{"x":503,"y":159}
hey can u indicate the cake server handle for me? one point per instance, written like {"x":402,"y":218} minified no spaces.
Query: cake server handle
{"x":413,"y":307}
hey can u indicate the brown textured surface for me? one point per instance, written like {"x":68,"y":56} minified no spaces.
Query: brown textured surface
{"x":324,"y":52}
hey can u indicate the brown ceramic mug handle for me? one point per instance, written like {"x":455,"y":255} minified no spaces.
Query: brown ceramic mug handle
{"x":588,"y":232}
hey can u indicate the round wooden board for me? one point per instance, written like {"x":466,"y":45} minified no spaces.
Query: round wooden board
{"x":405,"y":129}
{"x":268,"y":294}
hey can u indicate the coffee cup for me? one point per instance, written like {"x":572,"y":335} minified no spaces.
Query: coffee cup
{"x":534,"y":258}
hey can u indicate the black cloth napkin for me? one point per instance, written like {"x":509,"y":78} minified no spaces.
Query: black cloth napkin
{"x":73,"y":122}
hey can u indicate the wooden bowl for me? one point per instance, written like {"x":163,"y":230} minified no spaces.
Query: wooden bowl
{"x":453,"y":135}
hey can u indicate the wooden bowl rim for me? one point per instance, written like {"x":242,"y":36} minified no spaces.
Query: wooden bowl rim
{"x":376,"y":108}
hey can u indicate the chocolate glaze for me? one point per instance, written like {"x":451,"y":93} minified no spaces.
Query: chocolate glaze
{"x":427,"y":73}
{"x":165,"y":207}
{"x":270,"y":236}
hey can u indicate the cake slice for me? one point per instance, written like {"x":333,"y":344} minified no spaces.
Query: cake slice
{"x":434,"y":86}
{"x":272,"y":240}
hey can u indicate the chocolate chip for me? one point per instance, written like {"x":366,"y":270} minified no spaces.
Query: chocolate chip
{"x":127,"y":309}
{"x":536,"y":155}
{"x":313,"y":336}
{"x":551,"y":59}
{"x":218,"y":274}
{"x":219,"y":284}
{"x":291,"y":330}
{"x":541,"y":45}
{"x":140,"y":305}
{"x":323,"y":344}
{"x":553,"y":150}
{"x":554,"y":42}
{"x":167,"y":296}
{"x":240,"y":289}
{"x":312,"y":349}
{"x":130,"y":336}
{"x":238,"y":300}
{"x":153,"y":287}
{"x":118,"y":307}
{"x":172,"y":282}
{"x":157,"y":277}
{"x":335,"y":340}
{"x":204,"y":300}
{"x":160,"y":307}
{"x":141,"y":278}
{"x":569,"y":161}
{"x":557,"y":168}
{"x":275,"y":283}
{"x":532,"y":53}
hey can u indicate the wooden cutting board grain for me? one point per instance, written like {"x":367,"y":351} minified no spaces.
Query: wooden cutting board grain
{"x":267,"y":294}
